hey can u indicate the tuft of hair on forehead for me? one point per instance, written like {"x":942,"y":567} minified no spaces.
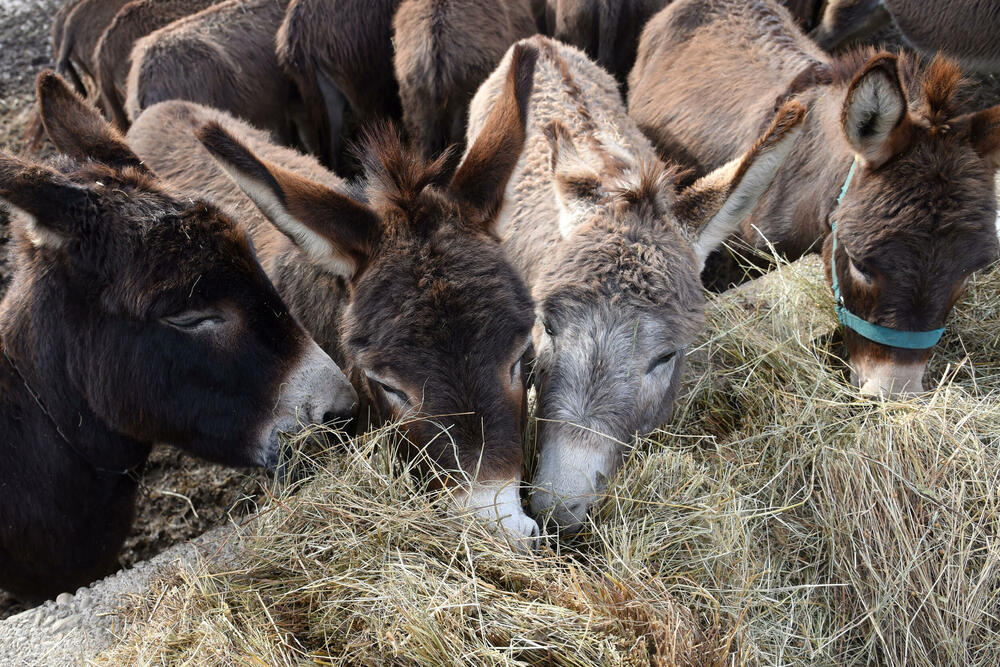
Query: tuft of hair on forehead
{"x":938,"y":91}
{"x":397,"y":175}
{"x":648,"y":188}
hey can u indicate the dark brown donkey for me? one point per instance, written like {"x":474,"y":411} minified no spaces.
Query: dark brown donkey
{"x":963,"y":29}
{"x":222,"y":57}
{"x":113,"y":53}
{"x":133,"y":317}
{"x":339,"y":52}
{"x":919,"y":216}
{"x":444,"y":50}
{"x":402,"y":276}
{"x":73,"y":47}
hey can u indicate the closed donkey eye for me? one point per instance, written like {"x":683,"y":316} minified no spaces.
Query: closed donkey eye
{"x":392,"y":393}
{"x":192,"y":321}
{"x":661,"y":361}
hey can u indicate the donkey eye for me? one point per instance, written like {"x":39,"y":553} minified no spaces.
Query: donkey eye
{"x":661,"y":360}
{"x":390,"y":391}
{"x":549,"y":331}
{"x":515,"y":372}
{"x":862,"y":270}
{"x":194,"y":320}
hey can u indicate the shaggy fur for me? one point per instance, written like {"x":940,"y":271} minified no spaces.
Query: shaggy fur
{"x":444,"y":50}
{"x":339,"y":53}
{"x":107,"y":349}
{"x":221,"y":57}
{"x":962,"y":29}
{"x":610,"y":248}
{"x":401,"y":276}
{"x":82,"y":25}
{"x":920,"y":215}
{"x":113,"y":53}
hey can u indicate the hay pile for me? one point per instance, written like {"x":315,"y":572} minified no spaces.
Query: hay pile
{"x":778,"y":519}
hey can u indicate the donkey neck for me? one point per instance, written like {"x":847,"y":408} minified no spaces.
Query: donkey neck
{"x":37,"y":382}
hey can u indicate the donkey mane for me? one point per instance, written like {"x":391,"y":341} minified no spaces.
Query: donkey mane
{"x":398,"y":176}
{"x":938,"y":92}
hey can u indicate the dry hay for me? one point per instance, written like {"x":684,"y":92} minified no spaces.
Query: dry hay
{"x":779,"y":519}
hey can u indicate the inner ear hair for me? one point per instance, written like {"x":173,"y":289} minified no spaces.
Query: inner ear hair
{"x":77,"y":129}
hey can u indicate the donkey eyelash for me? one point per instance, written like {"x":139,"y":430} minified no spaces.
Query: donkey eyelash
{"x":659,"y":361}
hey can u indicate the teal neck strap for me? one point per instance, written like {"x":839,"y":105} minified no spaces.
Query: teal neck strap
{"x":910,"y":340}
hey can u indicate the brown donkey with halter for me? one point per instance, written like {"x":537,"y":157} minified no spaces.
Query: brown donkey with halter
{"x":917,"y":212}
{"x":134,"y":317}
{"x":402,"y":276}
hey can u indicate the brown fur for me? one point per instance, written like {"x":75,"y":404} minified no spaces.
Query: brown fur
{"x":112,"y":55}
{"x":608,"y":30}
{"x":105,"y":350}
{"x":419,"y":294}
{"x":962,"y":29}
{"x":82,"y":27}
{"x":222,"y":57}
{"x":920,"y":214}
{"x":444,"y":50}
{"x":341,"y":49}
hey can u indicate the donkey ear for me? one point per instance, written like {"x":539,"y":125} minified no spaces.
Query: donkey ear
{"x":77,"y":129}
{"x":482,"y":177}
{"x":51,"y":205}
{"x":577,"y":185}
{"x":874,"y":110}
{"x":332,"y":229}
{"x":984,"y":134}
{"x":715,"y":205}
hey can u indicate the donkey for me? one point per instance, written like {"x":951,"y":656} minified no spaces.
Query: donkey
{"x":112,"y":55}
{"x":608,"y":30}
{"x":133,"y":317}
{"x":222,"y":57}
{"x":612,"y":249}
{"x":402,"y":275}
{"x":444,"y":50}
{"x":82,"y":27}
{"x":916,"y":219}
{"x":339,"y":53}
{"x":963,"y":29}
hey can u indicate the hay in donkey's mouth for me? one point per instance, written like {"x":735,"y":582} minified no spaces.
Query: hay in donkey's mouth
{"x":779,"y":519}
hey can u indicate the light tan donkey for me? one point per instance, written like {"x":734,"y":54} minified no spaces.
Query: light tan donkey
{"x":611,"y":247}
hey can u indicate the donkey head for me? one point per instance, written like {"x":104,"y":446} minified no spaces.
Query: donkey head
{"x":437,"y":321}
{"x":622,"y":299}
{"x":919,"y":216}
{"x":149,"y":311}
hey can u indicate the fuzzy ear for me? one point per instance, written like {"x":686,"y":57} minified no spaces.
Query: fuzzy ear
{"x":715,"y":205}
{"x":984,"y":134}
{"x":874,"y":111}
{"x":77,"y":129}
{"x":577,"y":185}
{"x":52,"y":206}
{"x":332,"y":229}
{"x":481,"y":179}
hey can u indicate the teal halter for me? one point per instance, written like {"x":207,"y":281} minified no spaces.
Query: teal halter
{"x":910,"y":340}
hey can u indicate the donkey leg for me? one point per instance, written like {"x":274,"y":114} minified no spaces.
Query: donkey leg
{"x":849,"y":20}
{"x":335,"y":102}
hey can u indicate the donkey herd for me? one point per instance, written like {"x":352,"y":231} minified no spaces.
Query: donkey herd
{"x":236,"y":241}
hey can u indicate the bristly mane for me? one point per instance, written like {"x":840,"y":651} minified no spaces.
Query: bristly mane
{"x":396,"y":175}
{"x":936,"y":91}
